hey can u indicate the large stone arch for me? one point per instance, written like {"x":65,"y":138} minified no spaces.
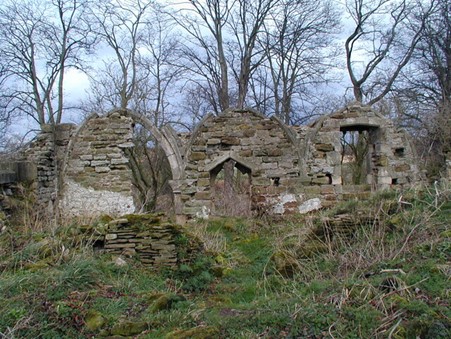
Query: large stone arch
{"x":263,"y":149}
{"x":223,"y":117}
{"x":168,"y":141}
{"x":166,"y":137}
{"x":389,"y":158}
{"x":95,"y":170}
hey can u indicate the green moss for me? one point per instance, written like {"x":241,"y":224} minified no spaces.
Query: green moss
{"x":129,"y":328}
{"x":206,"y":332}
{"x":337,"y":292}
{"x":285,"y":263}
{"x":105,"y":219}
{"x":428,"y":328}
{"x":37,"y":266}
{"x":396,"y":221}
{"x":162,"y":302}
{"x":94,"y":320}
{"x":149,"y":219}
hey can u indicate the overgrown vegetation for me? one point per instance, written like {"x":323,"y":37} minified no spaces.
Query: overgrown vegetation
{"x":374,"y":269}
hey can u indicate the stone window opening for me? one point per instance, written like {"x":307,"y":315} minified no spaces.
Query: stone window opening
{"x":231,"y":189}
{"x":358,"y":147}
{"x":399,"y":152}
{"x":275,"y":181}
{"x":151,"y":172}
{"x":329,"y":176}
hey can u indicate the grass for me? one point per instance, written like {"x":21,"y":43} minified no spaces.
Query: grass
{"x":294,"y":278}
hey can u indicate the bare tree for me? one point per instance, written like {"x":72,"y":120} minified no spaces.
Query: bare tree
{"x":161,"y":70}
{"x":140,"y":74}
{"x":119,"y":24}
{"x":222,"y":42}
{"x":422,"y":100}
{"x":151,"y":172}
{"x":40,"y":40}
{"x":5,"y":112}
{"x":433,"y":56}
{"x":247,"y":25}
{"x":204,"y":22}
{"x":196,"y":104}
{"x":372,"y":63}
{"x":298,"y":51}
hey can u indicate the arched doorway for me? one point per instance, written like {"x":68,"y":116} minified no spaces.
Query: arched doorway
{"x":230,"y":183}
{"x":151,"y":173}
{"x":99,"y":168}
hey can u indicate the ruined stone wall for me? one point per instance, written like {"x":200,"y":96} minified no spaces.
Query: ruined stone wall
{"x":148,"y":238}
{"x":38,"y":165}
{"x":279,"y":169}
{"x":295,"y":169}
{"x":389,"y":161}
{"x":259,"y":147}
{"x":41,"y":152}
{"x":97,"y":178}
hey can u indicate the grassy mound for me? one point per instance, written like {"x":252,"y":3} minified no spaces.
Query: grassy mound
{"x":379,"y":268}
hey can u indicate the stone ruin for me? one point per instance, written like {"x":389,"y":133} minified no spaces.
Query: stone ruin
{"x":237,"y":163}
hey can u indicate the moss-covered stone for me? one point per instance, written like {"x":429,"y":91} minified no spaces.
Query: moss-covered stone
{"x":196,"y":156}
{"x":427,"y":328}
{"x":105,"y":219}
{"x":37,"y":266}
{"x":207,"y":332}
{"x":94,"y":320}
{"x":396,"y":221}
{"x":163,"y":301}
{"x":129,"y":328}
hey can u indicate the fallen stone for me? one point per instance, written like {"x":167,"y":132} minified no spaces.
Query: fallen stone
{"x":94,"y":320}
{"x":310,"y":205}
{"x":119,"y":261}
{"x":129,"y":328}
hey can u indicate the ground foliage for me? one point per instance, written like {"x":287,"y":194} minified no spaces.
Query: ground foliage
{"x":297,"y":277}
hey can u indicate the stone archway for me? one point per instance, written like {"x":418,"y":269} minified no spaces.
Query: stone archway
{"x":168,"y":141}
{"x":243,"y":157}
{"x":356,"y":150}
{"x":95,"y":171}
{"x":231,"y":188}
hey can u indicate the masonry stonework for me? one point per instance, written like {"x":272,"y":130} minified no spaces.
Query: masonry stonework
{"x":260,"y":150}
{"x":330,"y":145}
{"x":237,"y":163}
{"x":96,"y":176}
